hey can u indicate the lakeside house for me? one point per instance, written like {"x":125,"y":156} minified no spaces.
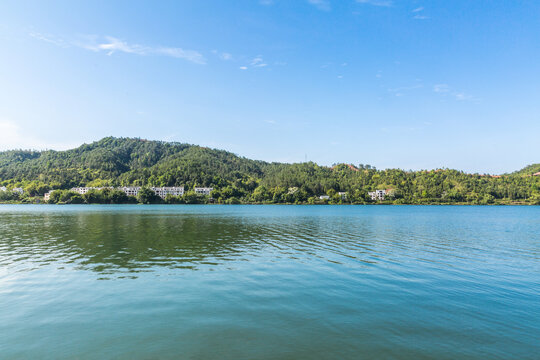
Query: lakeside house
{"x":377,"y":194}
{"x":203,"y":190}
{"x":324,"y":197}
{"x":130,"y":190}
{"x":19,"y":191}
{"x":343,"y":195}
{"x":84,"y":190}
{"x":3,"y":188}
{"x":162,"y":192}
{"x":47,"y":195}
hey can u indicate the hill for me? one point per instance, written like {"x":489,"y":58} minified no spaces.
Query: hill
{"x":137,"y":162}
{"x":529,"y":170}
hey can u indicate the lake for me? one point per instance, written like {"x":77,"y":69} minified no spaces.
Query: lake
{"x":269,"y":282}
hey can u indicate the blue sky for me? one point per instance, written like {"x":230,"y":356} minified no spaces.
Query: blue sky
{"x":408,"y":84}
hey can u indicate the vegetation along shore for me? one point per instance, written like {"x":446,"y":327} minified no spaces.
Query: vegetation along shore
{"x":105,"y":167}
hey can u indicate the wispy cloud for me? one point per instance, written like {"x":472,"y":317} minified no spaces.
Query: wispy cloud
{"x":225,"y":56}
{"x":222,"y":55}
{"x":258,"y":62}
{"x":445,"y":90}
{"x":49,"y":38}
{"x":418,"y":13}
{"x":111,"y":45}
{"x":401,"y":90}
{"x":441,"y":88}
{"x":323,"y":5}
{"x":462,"y":96}
{"x":384,"y":3}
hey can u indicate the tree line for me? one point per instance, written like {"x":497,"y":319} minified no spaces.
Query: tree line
{"x":136,"y":162}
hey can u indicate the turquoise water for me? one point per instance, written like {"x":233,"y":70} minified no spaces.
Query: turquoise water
{"x":269,"y":282}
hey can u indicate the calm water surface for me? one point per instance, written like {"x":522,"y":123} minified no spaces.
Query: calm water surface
{"x":269,"y":282}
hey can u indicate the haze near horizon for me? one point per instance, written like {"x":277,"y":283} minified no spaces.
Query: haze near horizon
{"x":395,"y":84}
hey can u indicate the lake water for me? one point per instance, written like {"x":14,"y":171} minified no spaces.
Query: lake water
{"x":269,"y":282}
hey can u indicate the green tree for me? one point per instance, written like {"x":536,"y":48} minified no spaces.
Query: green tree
{"x":147,"y":196}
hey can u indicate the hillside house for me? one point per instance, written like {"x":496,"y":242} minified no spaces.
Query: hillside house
{"x":130,"y":190}
{"x":377,"y":195}
{"x":162,"y":192}
{"x":205,"y":191}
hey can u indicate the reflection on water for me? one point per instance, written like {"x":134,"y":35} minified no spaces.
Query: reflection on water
{"x":128,"y":238}
{"x":292,"y":281}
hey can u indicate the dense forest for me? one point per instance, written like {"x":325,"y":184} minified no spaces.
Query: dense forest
{"x":137,"y":162}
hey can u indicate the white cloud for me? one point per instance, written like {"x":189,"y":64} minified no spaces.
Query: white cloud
{"x":441,"y":88}
{"x":384,"y":3}
{"x":12,"y":136}
{"x":110,"y":45}
{"x":49,"y":38}
{"x":225,"y":56}
{"x":320,"y":4}
{"x":400,"y":90}
{"x":418,"y":15}
{"x":462,"y":96}
{"x":258,"y":62}
{"x":189,"y":55}
{"x":445,"y":90}
{"x":243,"y":68}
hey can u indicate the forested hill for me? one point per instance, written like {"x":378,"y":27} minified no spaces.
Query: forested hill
{"x":126,"y":161}
{"x":529,"y":170}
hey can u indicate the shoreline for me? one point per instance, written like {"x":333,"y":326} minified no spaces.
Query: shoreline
{"x":277,"y":204}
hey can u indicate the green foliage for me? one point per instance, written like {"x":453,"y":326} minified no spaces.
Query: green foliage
{"x":529,"y":170}
{"x":147,"y":196}
{"x":113,"y":162}
{"x":104,"y":196}
{"x":7,"y":196}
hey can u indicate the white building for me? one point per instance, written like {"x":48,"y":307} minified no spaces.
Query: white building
{"x":18,"y":190}
{"x":3,"y":188}
{"x":81,"y":190}
{"x":342,"y":194}
{"x":130,"y":190}
{"x":377,"y":194}
{"x":47,"y":195}
{"x":84,"y":190}
{"x":292,"y":190}
{"x":324,"y":197}
{"x":203,"y":191}
{"x":162,"y":192}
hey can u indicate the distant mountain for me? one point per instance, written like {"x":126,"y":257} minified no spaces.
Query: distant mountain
{"x":128,"y":161}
